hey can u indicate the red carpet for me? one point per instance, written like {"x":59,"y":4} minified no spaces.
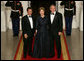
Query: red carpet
{"x":64,"y":52}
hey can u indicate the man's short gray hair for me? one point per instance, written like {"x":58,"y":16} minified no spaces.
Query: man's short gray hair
{"x":52,"y":5}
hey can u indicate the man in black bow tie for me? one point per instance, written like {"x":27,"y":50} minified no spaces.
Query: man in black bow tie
{"x":52,"y":13}
{"x":55,"y":30}
{"x":28,"y":28}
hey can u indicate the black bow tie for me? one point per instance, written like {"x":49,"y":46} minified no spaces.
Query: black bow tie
{"x":52,"y":13}
{"x":30,"y":16}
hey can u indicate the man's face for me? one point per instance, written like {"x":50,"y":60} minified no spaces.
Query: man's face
{"x":52,"y":9}
{"x":29,"y":11}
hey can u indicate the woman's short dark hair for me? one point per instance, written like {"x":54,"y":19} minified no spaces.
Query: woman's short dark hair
{"x":29,"y":8}
{"x":41,"y":8}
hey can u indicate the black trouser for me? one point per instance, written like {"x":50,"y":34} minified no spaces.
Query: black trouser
{"x":27,"y":45}
{"x":68,"y":22}
{"x":58,"y":44}
{"x":15,"y":25}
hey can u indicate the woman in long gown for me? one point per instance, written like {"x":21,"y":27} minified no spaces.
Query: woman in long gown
{"x":42,"y":44}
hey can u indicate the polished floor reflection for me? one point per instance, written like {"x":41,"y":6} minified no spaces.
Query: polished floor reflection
{"x":75,"y":44}
{"x":9,"y":45}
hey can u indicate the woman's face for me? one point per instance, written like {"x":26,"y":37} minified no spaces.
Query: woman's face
{"x":41,"y":12}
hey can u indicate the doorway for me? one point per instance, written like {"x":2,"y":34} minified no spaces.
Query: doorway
{"x":37,"y":4}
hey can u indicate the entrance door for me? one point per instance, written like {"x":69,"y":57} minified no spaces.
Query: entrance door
{"x":37,"y":4}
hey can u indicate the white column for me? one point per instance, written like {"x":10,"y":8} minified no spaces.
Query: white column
{"x":3,"y":18}
{"x":8,"y":13}
{"x":8,"y":19}
{"x":77,"y":18}
{"x":29,"y":3}
{"x":61,"y":10}
{"x":81,"y":17}
{"x":25,"y":5}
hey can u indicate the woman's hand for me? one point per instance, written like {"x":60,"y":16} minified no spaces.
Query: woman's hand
{"x":35,"y":32}
{"x":26,"y":36}
{"x":59,"y":33}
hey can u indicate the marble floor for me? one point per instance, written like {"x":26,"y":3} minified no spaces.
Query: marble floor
{"x":9,"y":45}
{"x":75,"y":45}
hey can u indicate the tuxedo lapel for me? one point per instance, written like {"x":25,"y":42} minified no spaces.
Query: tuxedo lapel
{"x":28,"y":20}
{"x":49,"y":19}
{"x":55,"y":17}
{"x":33,"y":21}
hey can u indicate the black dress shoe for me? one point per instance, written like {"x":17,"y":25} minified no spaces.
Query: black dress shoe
{"x":68,"y":34}
{"x":30,"y":54}
{"x":25,"y":56}
{"x":58,"y":56}
{"x":52,"y":55}
{"x":49,"y":56}
{"x":15,"y":35}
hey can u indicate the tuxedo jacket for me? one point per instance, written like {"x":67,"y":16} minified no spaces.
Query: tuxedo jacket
{"x":57,"y":25}
{"x":26,"y":27}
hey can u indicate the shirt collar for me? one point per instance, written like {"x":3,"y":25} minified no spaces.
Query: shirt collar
{"x":29,"y":15}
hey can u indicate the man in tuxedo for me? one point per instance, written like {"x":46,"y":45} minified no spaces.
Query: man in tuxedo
{"x":28,"y":31}
{"x":55,"y":28}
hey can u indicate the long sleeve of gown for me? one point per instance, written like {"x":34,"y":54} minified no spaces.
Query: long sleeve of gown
{"x":37,"y":24}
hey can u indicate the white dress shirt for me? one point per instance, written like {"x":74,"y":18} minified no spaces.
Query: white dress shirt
{"x":52,"y":17}
{"x":31,"y":21}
